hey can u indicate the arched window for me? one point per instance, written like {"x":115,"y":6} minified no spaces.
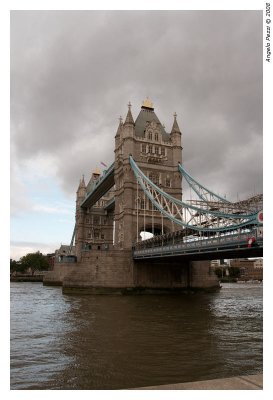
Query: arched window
{"x":150,"y":136}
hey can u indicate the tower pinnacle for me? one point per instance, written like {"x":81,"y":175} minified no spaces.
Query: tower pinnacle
{"x":147,"y":103}
{"x":129,"y":117}
{"x":82,"y":182}
{"x":119,"y":127}
{"x":175,"y":127}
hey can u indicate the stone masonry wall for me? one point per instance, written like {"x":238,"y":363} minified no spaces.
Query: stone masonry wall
{"x":101,"y":269}
{"x":115,"y":270}
{"x":56,"y":276}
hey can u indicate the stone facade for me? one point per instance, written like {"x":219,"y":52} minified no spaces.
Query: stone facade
{"x":157,"y":153}
{"x":249,"y":269}
{"x":94,"y":225}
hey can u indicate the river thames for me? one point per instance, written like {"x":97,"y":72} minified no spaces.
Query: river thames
{"x":116,"y":342}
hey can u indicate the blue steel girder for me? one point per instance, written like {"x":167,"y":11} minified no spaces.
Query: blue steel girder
{"x":203,"y":193}
{"x":186,"y":215}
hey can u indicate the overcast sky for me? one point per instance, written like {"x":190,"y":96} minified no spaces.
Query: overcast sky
{"x":72,"y":76}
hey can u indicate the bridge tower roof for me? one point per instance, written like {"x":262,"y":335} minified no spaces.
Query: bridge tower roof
{"x":145,"y":116}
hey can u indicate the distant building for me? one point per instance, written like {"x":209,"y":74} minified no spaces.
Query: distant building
{"x":221,"y":264}
{"x":65,"y":253}
{"x":51,"y":260}
{"x":249,"y":269}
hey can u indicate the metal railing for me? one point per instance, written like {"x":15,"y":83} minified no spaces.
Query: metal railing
{"x":175,"y":245}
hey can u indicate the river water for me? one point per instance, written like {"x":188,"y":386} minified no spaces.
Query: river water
{"x":112,"y":342}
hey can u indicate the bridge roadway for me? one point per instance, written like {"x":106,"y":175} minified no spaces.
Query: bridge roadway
{"x":228,"y":246}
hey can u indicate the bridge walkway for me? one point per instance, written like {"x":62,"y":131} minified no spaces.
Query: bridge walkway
{"x":248,"y":244}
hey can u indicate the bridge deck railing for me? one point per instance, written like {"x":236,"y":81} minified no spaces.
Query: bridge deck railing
{"x":199,"y":244}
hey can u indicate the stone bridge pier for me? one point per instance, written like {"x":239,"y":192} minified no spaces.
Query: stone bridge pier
{"x":115,"y":272}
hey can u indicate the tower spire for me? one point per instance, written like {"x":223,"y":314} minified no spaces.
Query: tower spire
{"x":175,"y":128}
{"x":129,"y":118}
{"x":81,"y":189}
{"x":119,"y":127}
{"x":82,"y":182}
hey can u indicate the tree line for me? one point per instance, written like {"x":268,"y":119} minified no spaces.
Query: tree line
{"x":31,"y":261}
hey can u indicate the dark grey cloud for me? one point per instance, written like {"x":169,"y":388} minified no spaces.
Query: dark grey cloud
{"x":73,"y":73}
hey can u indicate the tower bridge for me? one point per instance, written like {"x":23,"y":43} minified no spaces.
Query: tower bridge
{"x":142,"y":192}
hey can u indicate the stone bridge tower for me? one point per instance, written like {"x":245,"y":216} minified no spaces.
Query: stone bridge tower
{"x":157,"y":153}
{"x":119,"y":206}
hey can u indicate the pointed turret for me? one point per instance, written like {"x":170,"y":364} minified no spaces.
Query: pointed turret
{"x":175,"y":128}
{"x":82,"y":183}
{"x":81,"y":192}
{"x":118,"y":134}
{"x":129,"y":118}
{"x":176,"y":140}
{"x":128,"y":128}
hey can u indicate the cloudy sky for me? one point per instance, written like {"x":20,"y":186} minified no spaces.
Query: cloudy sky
{"x":72,"y":76}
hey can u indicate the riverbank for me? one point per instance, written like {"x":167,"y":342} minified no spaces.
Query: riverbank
{"x":27,"y":278}
{"x":239,"y":280}
{"x":249,"y":382}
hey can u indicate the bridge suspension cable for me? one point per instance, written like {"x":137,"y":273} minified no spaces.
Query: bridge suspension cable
{"x":202,"y":192}
{"x":224,"y":218}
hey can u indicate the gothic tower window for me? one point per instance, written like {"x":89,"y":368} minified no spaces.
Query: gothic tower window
{"x":150,"y":136}
{"x":156,"y":137}
{"x":96,"y":234}
{"x":154,"y":177}
{"x":168,"y":182}
{"x":157,"y":150}
{"x":150,"y":149}
{"x":163,"y":151}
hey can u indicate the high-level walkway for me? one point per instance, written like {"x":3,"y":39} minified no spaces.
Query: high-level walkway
{"x":105,"y":183}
